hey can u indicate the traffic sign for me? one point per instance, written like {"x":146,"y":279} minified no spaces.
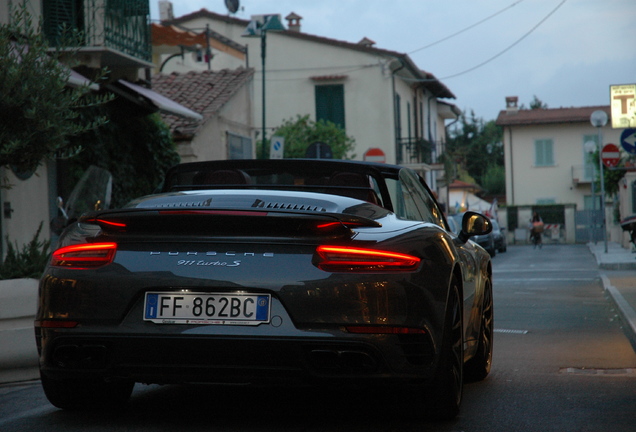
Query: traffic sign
{"x":277,"y":147}
{"x":623,"y":105}
{"x":374,"y":154}
{"x":610,"y":155}
{"x":628,"y":140}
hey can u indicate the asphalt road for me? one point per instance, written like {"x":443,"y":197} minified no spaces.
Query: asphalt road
{"x":562,"y":363}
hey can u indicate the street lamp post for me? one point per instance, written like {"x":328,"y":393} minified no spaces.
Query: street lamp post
{"x":598,"y":120}
{"x":259,"y":29}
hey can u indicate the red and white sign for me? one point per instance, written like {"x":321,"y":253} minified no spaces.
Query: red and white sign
{"x":374,"y":155}
{"x":610,"y":155}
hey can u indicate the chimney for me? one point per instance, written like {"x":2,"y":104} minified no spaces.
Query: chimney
{"x":365,"y":41}
{"x":293,"y":22}
{"x":165,"y":11}
{"x":511,"y":104}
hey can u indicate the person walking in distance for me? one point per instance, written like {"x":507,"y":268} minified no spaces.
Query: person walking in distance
{"x":536,"y":228}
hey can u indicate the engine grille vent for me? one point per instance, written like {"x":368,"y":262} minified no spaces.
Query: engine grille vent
{"x":186,"y":204}
{"x":287,"y":206}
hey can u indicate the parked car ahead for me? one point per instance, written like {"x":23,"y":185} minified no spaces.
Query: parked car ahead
{"x":487,"y":241}
{"x":499,"y":236}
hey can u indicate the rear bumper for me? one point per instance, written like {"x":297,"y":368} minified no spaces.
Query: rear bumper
{"x":236,"y":360}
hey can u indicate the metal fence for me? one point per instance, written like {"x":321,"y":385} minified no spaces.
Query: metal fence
{"x":589,"y":226}
{"x":122,"y":25}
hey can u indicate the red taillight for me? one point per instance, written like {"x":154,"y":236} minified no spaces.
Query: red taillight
{"x":111,"y":223}
{"x":384,"y":330}
{"x":89,"y":255}
{"x":349,"y":259}
{"x":56,"y":324}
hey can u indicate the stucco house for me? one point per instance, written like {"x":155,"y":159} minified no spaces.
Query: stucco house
{"x":382,"y":99}
{"x":116,"y":35}
{"x":549,"y":169}
{"x":224,"y":99}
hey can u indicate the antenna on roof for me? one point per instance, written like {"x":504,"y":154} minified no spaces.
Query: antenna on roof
{"x":232,"y":6}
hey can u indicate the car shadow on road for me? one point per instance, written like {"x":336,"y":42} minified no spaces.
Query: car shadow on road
{"x":167,"y":408}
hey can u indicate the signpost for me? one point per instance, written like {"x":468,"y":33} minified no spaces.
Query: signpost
{"x":319,"y":150}
{"x":610,"y":155}
{"x":598,"y":120}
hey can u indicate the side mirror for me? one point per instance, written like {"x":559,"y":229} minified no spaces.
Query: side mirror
{"x":474,"y":224}
{"x":60,"y":205}
{"x":59,"y":222}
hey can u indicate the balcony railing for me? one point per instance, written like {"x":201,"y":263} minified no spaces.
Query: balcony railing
{"x":418,"y":151}
{"x":583,"y":174}
{"x":120,"y":25}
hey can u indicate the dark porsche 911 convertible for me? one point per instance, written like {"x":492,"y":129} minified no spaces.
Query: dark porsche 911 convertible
{"x":268,"y":272}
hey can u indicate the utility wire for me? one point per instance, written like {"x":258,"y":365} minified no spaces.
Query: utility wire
{"x":499,"y":54}
{"x":467,"y":28}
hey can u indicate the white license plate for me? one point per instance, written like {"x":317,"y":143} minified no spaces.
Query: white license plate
{"x":207,"y":308}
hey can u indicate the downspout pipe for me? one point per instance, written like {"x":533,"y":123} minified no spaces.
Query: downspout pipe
{"x":512,"y":171}
{"x":428,"y":116}
{"x":395,"y":108}
{"x":448,"y":178}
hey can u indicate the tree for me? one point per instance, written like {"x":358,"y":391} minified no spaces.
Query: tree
{"x":300,"y":133}
{"x":38,"y":111}
{"x":476,"y":146}
{"x":136,"y":149}
{"x":537,"y":103}
{"x":494,"y":180}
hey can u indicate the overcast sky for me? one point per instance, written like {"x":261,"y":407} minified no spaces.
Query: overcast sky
{"x":566,"y":52}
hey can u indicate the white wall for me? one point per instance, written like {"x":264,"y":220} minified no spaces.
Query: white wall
{"x":527,"y":184}
{"x":290,"y":91}
{"x":29,"y":200}
{"x":210,"y":142}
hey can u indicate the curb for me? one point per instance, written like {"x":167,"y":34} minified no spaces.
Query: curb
{"x":627,"y":313}
{"x":18,"y":352}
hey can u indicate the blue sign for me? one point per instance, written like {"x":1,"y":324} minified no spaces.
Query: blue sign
{"x":628,"y":140}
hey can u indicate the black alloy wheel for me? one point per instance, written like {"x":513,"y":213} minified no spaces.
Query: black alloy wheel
{"x":448,"y":385}
{"x":478,"y":367}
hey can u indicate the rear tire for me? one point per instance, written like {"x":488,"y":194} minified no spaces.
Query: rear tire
{"x":478,"y":367}
{"x":446,"y":390}
{"x":86,"y":394}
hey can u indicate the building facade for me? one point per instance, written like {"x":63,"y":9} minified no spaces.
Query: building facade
{"x":549,"y":162}
{"x":380,"y":97}
{"x":115,"y":36}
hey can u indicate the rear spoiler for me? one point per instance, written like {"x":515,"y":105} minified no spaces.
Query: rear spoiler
{"x":119,"y":218}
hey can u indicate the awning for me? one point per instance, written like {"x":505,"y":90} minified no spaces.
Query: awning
{"x":145,"y":96}
{"x":78,"y":80}
{"x":74,"y":80}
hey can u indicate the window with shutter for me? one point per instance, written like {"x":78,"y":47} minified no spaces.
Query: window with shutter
{"x":544,"y":153}
{"x":60,"y":14}
{"x":330,"y":104}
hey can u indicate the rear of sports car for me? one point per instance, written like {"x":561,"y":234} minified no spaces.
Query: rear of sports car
{"x":241,"y":287}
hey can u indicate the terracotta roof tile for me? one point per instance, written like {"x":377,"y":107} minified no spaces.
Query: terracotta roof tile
{"x":205,"y":92}
{"x":429,"y":81}
{"x":548,"y":115}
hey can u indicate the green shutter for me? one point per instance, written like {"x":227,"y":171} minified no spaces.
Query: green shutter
{"x":330,"y":104}
{"x":58,"y":14}
{"x":543,"y":152}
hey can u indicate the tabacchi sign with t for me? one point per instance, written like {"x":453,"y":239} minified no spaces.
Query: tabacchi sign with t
{"x":623,"y":104}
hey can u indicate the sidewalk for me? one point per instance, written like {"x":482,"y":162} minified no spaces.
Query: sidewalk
{"x":618,"y":273}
